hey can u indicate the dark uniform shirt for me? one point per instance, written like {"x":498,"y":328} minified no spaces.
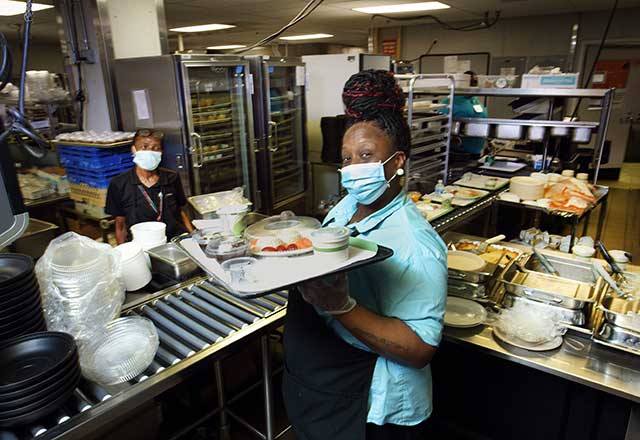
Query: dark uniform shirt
{"x":125,"y":199}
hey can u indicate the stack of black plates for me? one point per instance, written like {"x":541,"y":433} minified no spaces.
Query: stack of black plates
{"x":20,"y":307}
{"x":38,"y":374}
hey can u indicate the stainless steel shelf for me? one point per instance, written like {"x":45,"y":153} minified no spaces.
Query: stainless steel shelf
{"x":547,"y":93}
{"x":529,"y":122}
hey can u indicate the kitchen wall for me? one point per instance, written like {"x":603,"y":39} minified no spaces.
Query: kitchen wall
{"x":42,"y":56}
{"x":526,"y":36}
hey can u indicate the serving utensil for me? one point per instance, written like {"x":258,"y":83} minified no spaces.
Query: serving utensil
{"x":604,"y":274}
{"x":482,"y":247}
{"x":545,"y":262}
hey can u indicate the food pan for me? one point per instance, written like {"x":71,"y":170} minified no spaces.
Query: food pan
{"x":536,"y":132}
{"x":582,"y":135}
{"x":473,"y":277}
{"x":467,"y":290}
{"x":569,"y":268}
{"x":559,"y":131}
{"x":568,"y":316}
{"x":550,"y":289}
{"x":619,"y":337}
{"x":621,"y":312}
{"x":173,"y":262}
{"x":509,"y":131}
{"x":476,"y":129}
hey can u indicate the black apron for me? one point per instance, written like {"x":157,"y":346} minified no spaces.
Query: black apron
{"x":326,"y":380}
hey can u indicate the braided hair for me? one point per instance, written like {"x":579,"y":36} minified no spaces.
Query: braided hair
{"x":374,"y":96}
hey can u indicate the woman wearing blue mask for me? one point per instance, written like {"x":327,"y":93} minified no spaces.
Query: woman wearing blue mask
{"x":358,"y":348}
{"x":147,"y":192}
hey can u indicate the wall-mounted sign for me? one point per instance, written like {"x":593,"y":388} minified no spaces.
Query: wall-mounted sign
{"x":390,"y":47}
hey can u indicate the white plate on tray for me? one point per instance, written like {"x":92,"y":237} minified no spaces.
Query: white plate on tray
{"x":282,"y":253}
{"x":461,"y":196}
{"x":517,"y":342}
{"x":463,"y":313}
{"x":432,"y":211}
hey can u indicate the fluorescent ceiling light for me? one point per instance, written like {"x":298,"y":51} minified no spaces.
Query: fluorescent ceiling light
{"x":306,"y":37}
{"x":228,"y":46}
{"x":10,"y":7}
{"x":203,"y":28}
{"x":405,"y":7}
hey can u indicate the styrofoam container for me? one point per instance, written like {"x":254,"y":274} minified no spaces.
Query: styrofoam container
{"x":477,"y":129}
{"x":582,"y":135}
{"x":584,"y":252}
{"x":331,"y":243}
{"x":146,"y":245}
{"x":559,"y":131}
{"x":135,"y":269}
{"x":527,"y":188}
{"x":149,"y":232}
{"x":551,"y":81}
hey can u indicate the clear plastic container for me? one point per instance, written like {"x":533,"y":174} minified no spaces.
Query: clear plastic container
{"x":285,"y":231}
{"x":240,"y":269}
{"x":204,"y":236}
{"x":226,"y":248}
{"x":121,"y":352}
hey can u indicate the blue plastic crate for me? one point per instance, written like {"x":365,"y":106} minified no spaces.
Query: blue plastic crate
{"x":94,"y":158}
{"x":95,"y":178}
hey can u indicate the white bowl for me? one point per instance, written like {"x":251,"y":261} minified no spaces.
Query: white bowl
{"x":135,"y":271}
{"x":527,"y":188}
{"x":149,"y":231}
{"x":583,"y":251}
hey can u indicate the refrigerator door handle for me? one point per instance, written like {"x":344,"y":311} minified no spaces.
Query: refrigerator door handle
{"x":274,"y":143}
{"x":196,"y":150}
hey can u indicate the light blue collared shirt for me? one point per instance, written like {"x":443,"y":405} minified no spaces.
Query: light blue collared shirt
{"x":411,"y":286}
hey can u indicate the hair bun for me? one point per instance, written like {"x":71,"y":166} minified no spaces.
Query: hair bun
{"x":370,"y":93}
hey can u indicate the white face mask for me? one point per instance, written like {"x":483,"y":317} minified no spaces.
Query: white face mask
{"x":366,"y":181}
{"x":147,"y":160}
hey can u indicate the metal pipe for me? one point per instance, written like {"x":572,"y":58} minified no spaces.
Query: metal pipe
{"x":211,"y":309}
{"x":189,"y":323}
{"x":268,"y":391}
{"x":224,"y":424}
{"x":197,"y":314}
{"x":167,"y":357}
{"x":212,"y":299}
{"x":244,"y":423}
{"x":233,"y":299}
{"x":602,"y":132}
{"x":174,"y":344}
{"x":157,"y":318}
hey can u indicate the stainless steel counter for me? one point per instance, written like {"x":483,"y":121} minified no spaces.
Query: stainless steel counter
{"x":578,"y":359}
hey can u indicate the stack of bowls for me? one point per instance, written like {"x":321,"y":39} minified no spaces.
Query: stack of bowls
{"x":135,"y":268}
{"x":76,"y":269}
{"x":20,"y":307}
{"x":149,"y":234}
{"x":121,"y":352}
{"x":527,"y":188}
{"x":38,"y":374}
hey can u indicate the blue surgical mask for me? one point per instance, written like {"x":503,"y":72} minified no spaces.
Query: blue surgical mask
{"x":366,"y":181}
{"x":147,"y":160}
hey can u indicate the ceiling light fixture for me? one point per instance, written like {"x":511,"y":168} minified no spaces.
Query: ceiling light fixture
{"x":10,"y":7}
{"x":405,"y":7}
{"x":306,"y":37}
{"x":203,"y":28}
{"x":228,"y":46}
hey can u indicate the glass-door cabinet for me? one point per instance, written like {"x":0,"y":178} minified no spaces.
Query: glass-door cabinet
{"x":220,"y":126}
{"x":283,"y":152}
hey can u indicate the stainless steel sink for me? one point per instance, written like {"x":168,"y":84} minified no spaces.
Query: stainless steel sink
{"x":568,"y":268}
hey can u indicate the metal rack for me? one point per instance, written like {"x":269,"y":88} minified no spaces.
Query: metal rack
{"x":604,"y":95}
{"x":430,"y":121}
{"x":197,"y":320}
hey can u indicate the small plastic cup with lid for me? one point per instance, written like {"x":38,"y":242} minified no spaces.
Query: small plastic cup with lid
{"x":240,"y":269}
{"x":332,"y":243}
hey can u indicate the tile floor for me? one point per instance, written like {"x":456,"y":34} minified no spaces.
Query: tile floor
{"x":622,"y":222}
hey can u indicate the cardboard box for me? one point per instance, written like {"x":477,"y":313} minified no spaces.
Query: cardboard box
{"x":553,"y":81}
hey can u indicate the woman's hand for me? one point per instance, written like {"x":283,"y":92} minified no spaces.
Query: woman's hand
{"x":330,"y":294}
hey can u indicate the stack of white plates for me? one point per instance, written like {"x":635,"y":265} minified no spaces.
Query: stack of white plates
{"x":527,"y":188}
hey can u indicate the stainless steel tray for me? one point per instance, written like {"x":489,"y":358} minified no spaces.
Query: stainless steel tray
{"x":569,"y":316}
{"x":173,"y":262}
{"x":467,"y":290}
{"x":567,"y":268}
{"x":617,"y":337}
{"x":616,"y":312}
{"x":473,"y":277}
{"x":550,"y":289}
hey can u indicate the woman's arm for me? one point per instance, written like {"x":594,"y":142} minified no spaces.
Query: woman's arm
{"x":121,"y":230}
{"x":185,"y":221}
{"x":389,"y":337}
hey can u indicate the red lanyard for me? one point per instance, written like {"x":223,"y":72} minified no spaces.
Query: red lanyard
{"x":150,"y":202}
